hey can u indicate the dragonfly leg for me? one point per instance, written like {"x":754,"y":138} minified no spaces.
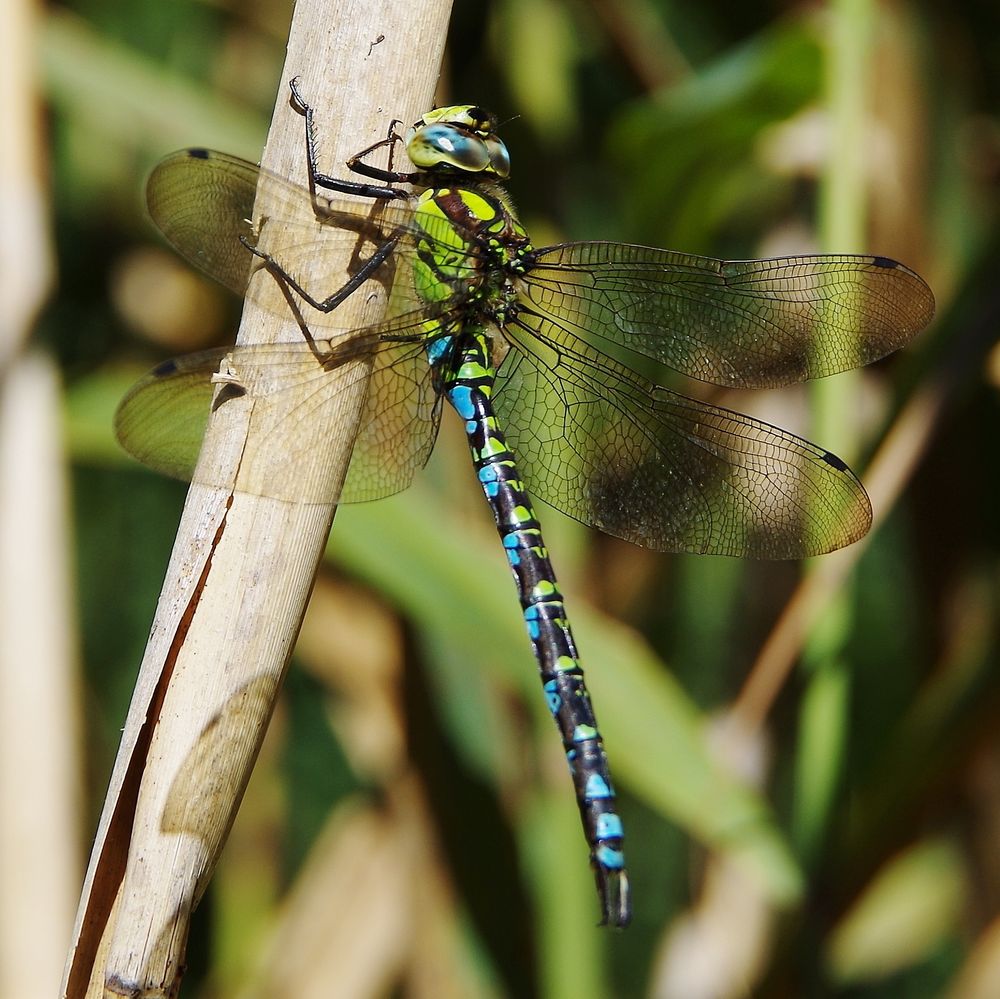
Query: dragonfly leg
{"x":327,"y":353}
{"x":392,"y":137}
{"x":379,"y":192}
{"x":357,"y":165}
{"x":328,"y":304}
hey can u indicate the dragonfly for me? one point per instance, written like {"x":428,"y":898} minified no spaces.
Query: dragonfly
{"x":544,"y":353}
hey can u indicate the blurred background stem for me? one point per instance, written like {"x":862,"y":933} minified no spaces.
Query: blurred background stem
{"x":826,"y":705}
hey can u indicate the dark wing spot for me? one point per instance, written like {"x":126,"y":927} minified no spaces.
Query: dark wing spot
{"x":166,"y":369}
{"x":199,"y":154}
{"x":833,"y":461}
{"x":886,"y":262}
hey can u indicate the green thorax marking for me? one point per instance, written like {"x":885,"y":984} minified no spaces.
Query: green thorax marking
{"x":474,"y":248}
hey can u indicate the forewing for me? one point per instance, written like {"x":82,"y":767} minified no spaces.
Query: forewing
{"x":202,"y":201}
{"x":212,"y":207}
{"x":740,"y":323}
{"x":660,"y":470}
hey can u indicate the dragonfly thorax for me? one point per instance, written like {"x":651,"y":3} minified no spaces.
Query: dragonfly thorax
{"x":474,"y":249}
{"x":460,"y":138}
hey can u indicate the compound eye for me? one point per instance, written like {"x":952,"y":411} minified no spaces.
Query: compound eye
{"x":431,"y":145}
{"x":499,"y":157}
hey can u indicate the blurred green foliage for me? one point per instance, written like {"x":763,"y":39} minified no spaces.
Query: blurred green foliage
{"x":699,"y":127}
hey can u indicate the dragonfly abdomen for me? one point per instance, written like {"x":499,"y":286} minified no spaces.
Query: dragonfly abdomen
{"x":467,"y":380}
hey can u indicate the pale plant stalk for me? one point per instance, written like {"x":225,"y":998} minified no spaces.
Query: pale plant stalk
{"x":39,"y":706}
{"x":243,"y":564}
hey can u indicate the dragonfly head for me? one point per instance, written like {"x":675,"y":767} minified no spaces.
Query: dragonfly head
{"x":459,"y":138}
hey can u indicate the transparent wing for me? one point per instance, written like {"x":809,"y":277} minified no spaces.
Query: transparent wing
{"x":399,"y":424}
{"x":162,"y":419}
{"x":204,"y":203}
{"x":608,"y":448}
{"x":741,"y":323}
